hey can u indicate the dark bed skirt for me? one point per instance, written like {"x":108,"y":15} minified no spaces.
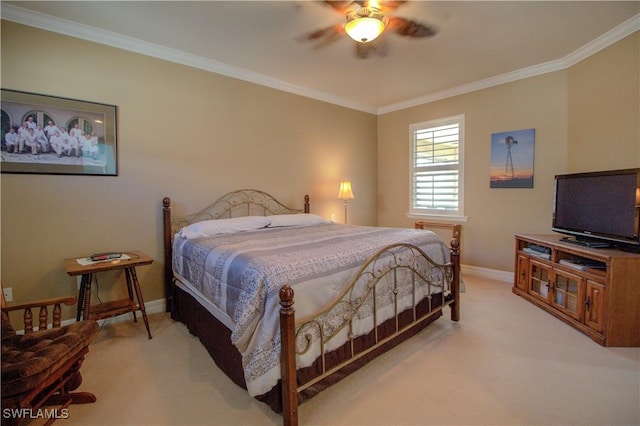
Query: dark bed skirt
{"x":216,"y":338}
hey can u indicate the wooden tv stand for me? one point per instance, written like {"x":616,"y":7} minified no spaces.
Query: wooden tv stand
{"x":595,"y":290}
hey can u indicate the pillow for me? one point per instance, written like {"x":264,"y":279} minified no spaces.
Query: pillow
{"x":279,"y":220}
{"x":208,"y":228}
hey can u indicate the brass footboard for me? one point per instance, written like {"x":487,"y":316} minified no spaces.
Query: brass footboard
{"x":396,"y":278}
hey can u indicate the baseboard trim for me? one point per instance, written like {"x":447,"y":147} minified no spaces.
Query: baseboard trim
{"x":493,"y":274}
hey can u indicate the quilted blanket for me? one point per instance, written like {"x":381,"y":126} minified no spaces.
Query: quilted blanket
{"x":242,"y":273}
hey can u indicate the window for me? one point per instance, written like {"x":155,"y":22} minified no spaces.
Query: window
{"x":41,"y":118}
{"x":437,"y":167}
{"x":83,"y":123}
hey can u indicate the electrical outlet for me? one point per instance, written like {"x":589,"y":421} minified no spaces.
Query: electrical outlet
{"x":8,"y":294}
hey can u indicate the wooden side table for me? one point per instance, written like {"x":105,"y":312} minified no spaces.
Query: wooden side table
{"x":117,"y":307}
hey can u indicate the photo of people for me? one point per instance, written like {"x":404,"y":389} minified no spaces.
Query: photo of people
{"x":54,"y":139}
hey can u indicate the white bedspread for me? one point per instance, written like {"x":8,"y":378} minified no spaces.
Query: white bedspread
{"x":242,"y":274}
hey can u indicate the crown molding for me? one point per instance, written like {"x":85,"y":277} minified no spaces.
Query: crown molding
{"x":85,"y":32}
{"x":607,"y":39}
{"x":119,"y":41}
{"x":623,"y":30}
{"x":476,"y":85}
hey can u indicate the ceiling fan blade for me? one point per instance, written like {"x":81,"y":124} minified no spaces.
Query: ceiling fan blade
{"x":344,"y":7}
{"x":325,"y":32}
{"x":324,"y":36}
{"x":340,"y":6}
{"x":362,"y":50}
{"x":379,"y":47}
{"x":407,"y":28}
{"x":389,"y":6}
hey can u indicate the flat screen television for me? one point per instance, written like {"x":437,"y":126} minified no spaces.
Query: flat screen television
{"x":599,"y":208}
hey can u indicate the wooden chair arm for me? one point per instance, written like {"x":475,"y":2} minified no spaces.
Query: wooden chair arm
{"x":67,"y":300}
{"x":43,"y":315}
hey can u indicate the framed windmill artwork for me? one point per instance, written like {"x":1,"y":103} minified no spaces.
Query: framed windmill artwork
{"x":512,"y":156}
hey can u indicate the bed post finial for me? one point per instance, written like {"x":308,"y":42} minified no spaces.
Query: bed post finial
{"x":286,"y":299}
{"x":455,"y":245}
{"x":288,"y":357}
{"x":307,"y":209}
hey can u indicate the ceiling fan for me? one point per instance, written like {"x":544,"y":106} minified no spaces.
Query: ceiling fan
{"x":365,"y":21}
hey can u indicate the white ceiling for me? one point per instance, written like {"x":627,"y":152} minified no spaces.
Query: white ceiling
{"x":479,"y":44}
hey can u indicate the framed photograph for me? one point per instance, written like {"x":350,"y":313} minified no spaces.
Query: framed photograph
{"x":512,"y":156}
{"x":53,"y":135}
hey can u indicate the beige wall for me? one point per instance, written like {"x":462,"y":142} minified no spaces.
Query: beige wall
{"x":585,"y":118}
{"x":494,"y":215}
{"x":604,"y":111}
{"x":184,"y":133}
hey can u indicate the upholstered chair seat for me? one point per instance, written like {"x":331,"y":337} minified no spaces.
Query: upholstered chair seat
{"x":30,"y":358}
{"x":42,"y":367}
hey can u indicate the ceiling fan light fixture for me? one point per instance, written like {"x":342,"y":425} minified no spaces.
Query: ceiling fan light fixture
{"x":364,"y":29}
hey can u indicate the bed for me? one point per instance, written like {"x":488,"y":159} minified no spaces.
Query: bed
{"x":287,"y":303}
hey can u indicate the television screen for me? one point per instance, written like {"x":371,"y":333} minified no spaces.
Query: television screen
{"x":600,"y":204}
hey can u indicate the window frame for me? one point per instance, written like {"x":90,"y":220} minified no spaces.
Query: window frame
{"x":450,"y":215}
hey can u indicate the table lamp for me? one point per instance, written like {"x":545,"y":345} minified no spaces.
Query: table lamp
{"x":345,"y":194}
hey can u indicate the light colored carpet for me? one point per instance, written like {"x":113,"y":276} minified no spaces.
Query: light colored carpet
{"x":505,"y":363}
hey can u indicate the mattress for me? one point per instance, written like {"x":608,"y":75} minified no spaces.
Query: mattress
{"x":238,"y":275}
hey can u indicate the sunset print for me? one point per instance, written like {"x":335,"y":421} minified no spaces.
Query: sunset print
{"x":512,"y":159}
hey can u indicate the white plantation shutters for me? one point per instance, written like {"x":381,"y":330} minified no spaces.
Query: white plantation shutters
{"x":436,"y":167}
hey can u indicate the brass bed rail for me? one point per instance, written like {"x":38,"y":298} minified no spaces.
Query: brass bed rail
{"x":398,"y":273}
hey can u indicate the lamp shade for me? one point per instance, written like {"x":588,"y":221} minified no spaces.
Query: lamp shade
{"x":345,"y":192}
{"x":364,"y":29}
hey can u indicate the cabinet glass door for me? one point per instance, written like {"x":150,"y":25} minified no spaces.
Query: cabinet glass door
{"x":540,"y":280}
{"x":567,"y":294}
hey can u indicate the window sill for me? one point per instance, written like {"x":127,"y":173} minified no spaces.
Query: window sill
{"x":439,"y":217}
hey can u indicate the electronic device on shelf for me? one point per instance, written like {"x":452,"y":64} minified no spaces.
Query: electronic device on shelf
{"x":96,"y":257}
{"x":540,"y":249}
{"x":583,"y":264}
{"x":537,"y":250}
{"x":586,"y":243}
{"x":600,"y":209}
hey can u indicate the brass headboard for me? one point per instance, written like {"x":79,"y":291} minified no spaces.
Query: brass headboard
{"x":243,"y":202}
